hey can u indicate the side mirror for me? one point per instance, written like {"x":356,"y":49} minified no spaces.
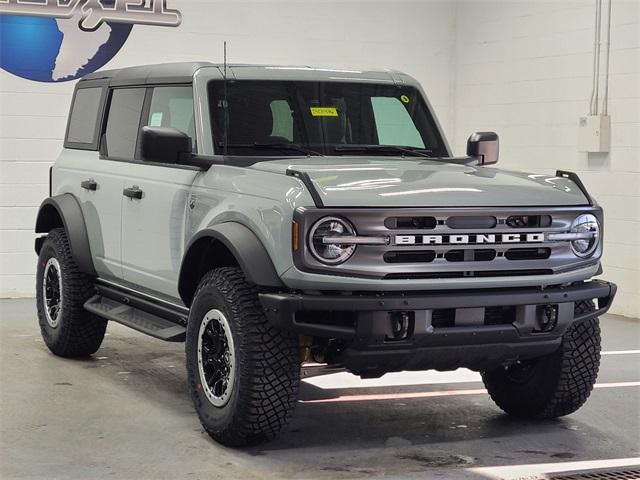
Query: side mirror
{"x":163,"y":144}
{"x":485,"y":146}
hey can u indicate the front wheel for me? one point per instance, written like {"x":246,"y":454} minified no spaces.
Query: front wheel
{"x":243,"y":375}
{"x":554,"y":385}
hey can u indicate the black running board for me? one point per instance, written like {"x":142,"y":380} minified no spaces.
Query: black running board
{"x":140,"y":320}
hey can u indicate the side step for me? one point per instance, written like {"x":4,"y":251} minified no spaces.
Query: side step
{"x":136,"y":318}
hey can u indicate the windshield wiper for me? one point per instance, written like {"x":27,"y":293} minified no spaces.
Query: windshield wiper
{"x":275,"y":146}
{"x":411,"y":151}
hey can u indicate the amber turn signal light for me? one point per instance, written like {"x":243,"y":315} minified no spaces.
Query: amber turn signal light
{"x":295,"y":236}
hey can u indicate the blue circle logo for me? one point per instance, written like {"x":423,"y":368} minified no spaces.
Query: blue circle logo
{"x":46,"y":49}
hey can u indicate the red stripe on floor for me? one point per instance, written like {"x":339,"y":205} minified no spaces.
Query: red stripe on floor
{"x":438,"y":393}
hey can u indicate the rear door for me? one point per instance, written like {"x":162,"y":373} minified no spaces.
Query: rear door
{"x":153,"y":226}
{"x":95,"y":183}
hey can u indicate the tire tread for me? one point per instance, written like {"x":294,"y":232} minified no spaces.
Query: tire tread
{"x":573,"y":370}
{"x":80,"y":332}
{"x":268,"y":365}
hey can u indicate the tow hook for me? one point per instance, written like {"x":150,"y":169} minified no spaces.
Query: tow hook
{"x":547,"y":318}
{"x":399,"y":326}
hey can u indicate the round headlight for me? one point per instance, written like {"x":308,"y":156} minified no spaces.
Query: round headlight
{"x":585,"y":223}
{"x":331,"y":253}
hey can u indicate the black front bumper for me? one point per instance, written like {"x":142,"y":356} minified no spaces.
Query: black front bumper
{"x":472,"y":337}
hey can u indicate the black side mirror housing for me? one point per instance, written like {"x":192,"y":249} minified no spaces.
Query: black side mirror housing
{"x":163,"y":144}
{"x":485,"y":146}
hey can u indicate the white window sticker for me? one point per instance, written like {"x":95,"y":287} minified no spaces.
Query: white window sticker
{"x":156,"y":120}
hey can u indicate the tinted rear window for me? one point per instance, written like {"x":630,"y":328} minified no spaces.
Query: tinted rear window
{"x":123,"y":122}
{"x":83,"y":123}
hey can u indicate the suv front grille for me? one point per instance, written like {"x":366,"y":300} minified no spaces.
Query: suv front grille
{"x":436,"y":243}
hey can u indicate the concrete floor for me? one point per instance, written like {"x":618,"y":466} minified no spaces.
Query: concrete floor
{"x":125,"y":414}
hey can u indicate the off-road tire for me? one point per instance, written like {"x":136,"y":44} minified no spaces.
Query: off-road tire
{"x":78,"y":333}
{"x":559,"y":383}
{"x":267,"y":366}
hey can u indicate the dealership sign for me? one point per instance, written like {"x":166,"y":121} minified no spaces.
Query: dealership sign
{"x":61,"y":40}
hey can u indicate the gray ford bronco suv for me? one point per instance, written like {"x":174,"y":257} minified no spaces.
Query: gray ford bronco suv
{"x":292,"y":220}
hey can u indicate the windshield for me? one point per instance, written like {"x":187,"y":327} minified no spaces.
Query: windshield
{"x":276,"y":118}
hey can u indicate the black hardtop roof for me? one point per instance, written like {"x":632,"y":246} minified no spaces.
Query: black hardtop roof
{"x":181,"y":72}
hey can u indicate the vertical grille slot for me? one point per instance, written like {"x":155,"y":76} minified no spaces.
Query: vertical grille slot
{"x":461,"y":223}
{"x":424,"y":256}
{"x":527,"y":253}
{"x":410,"y":223}
{"x":529,"y":221}
{"x":446,"y":317}
{"x":477,"y":255}
{"x":499,"y":315}
{"x":443,"y":318}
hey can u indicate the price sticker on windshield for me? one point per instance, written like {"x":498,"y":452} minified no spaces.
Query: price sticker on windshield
{"x":324,"y":111}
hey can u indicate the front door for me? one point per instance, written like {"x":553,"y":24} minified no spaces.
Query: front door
{"x":154,"y":217}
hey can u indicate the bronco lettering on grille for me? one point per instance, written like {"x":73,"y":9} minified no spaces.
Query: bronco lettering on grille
{"x":473,"y":239}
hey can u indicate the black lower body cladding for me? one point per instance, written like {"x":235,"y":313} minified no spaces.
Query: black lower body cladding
{"x":476,"y":329}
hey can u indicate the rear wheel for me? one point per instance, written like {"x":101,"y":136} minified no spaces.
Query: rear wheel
{"x":61,"y":291}
{"x":243,"y":375}
{"x":556,"y":384}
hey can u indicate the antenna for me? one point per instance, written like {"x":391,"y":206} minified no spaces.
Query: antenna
{"x":224,"y":102}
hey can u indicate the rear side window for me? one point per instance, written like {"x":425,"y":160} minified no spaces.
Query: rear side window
{"x":173,"y":107}
{"x":123,"y":122}
{"x":85,"y":117}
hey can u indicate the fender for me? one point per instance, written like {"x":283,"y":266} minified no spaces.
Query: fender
{"x":242,"y":243}
{"x":64,"y":211}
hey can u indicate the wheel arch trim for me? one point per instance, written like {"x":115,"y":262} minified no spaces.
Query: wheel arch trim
{"x":244,"y":246}
{"x":64,"y":211}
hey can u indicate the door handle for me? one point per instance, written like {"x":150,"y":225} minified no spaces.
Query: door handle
{"x":90,"y":184}
{"x":133,"y":192}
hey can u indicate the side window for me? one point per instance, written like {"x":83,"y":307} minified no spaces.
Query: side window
{"x":394,"y":124}
{"x":123,"y":122}
{"x":173,"y":107}
{"x":282,"y":119}
{"x":84,"y":118}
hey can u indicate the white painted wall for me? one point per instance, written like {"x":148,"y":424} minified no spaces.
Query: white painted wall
{"x":523,"y":69}
{"x":415,"y":37}
{"x":520,"y":68}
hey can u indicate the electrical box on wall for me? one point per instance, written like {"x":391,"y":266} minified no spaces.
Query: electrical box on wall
{"x":594,"y":133}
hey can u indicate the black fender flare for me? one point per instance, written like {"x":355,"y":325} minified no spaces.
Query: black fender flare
{"x":65,"y":209}
{"x":245,"y":247}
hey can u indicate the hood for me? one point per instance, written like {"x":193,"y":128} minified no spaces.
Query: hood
{"x":418,"y":182}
